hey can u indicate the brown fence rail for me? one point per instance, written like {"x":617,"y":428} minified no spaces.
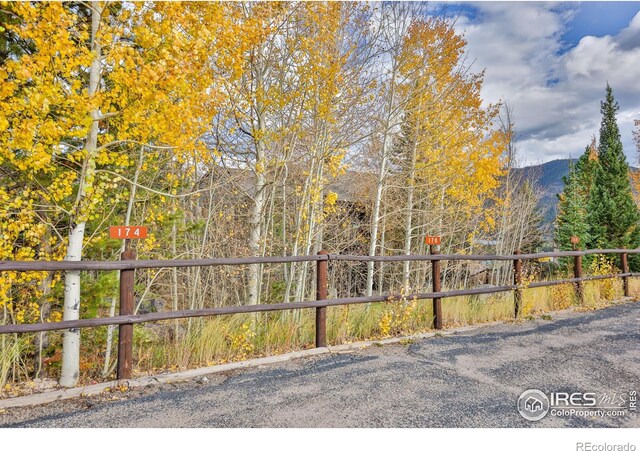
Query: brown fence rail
{"x":127,"y":265}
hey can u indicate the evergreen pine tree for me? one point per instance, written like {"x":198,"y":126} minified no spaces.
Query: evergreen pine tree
{"x":612,"y":213}
{"x":572,"y":209}
{"x":586,"y":167}
{"x":572,"y":202}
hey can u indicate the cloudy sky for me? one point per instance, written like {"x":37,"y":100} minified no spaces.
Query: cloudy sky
{"x":551,"y":63}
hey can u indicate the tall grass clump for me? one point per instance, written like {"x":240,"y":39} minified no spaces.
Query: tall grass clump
{"x":13,"y":364}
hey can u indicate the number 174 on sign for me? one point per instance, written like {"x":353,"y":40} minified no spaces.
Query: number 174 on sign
{"x":127,"y":232}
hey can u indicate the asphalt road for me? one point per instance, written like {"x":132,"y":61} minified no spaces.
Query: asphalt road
{"x":469,"y":379}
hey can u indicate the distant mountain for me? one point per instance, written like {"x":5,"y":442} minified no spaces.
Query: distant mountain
{"x":548,"y":177}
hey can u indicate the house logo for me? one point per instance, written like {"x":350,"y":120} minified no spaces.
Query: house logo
{"x":533,"y":405}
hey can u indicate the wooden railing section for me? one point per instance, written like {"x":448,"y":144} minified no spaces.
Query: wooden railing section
{"x":126,"y":319}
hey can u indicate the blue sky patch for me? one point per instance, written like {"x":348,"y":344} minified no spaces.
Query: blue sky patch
{"x":599,"y":19}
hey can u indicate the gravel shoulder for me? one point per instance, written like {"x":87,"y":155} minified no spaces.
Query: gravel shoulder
{"x":470,"y":378}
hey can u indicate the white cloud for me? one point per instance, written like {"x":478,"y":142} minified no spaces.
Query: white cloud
{"x":555,"y":91}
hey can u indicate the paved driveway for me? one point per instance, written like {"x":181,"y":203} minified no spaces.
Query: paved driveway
{"x":470,"y":379}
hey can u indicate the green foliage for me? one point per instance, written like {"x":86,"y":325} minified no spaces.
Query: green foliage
{"x":612,"y":213}
{"x":11,"y":45}
{"x":597,"y":204}
{"x":97,"y":291}
{"x":572,"y":204}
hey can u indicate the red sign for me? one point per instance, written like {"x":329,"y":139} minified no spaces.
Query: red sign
{"x":575,"y":239}
{"x":432,"y":240}
{"x":127,"y":232}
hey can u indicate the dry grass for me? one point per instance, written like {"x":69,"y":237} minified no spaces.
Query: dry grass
{"x":477,"y":309}
{"x":209,"y":341}
{"x":12,"y":352}
{"x":634,"y":287}
{"x":238,"y":337}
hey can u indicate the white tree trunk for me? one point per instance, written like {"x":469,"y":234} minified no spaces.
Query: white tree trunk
{"x":408,"y":226}
{"x":314,"y":220}
{"x":298,"y":233}
{"x":71,"y":341}
{"x":174,"y":274}
{"x":398,"y":20}
{"x":375,"y":215}
{"x":383,"y":228}
{"x":255,"y":235}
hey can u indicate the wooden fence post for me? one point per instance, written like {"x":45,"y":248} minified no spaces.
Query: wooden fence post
{"x":435,"y":280}
{"x":321,"y":294}
{"x":517,"y":281}
{"x":625,"y":269}
{"x":577,"y":273}
{"x":125,"y":331}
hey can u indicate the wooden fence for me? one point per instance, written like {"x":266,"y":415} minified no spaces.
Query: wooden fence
{"x":127,"y":266}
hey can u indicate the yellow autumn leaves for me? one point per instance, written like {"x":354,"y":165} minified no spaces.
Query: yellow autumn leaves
{"x":453,"y":134}
{"x":290,"y":87}
{"x":161,"y":67}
